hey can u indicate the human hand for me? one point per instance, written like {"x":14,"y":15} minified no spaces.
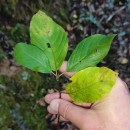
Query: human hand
{"x":110,"y":113}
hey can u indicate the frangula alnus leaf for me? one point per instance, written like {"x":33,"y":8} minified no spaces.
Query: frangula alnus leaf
{"x":89,"y":52}
{"x":91,"y":84}
{"x":32,"y":57}
{"x":49,"y":37}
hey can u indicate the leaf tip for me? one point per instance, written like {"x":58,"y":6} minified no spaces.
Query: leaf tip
{"x":112,"y":35}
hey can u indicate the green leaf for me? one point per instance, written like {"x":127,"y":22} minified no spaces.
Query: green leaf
{"x":91,"y":84}
{"x":89,"y":52}
{"x":31,"y":57}
{"x":50,"y":37}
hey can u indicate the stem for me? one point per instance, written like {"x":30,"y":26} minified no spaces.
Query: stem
{"x":58,"y":112}
{"x":57,"y":79}
{"x":58,"y":122}
{"x":53,"y":73}
{"x":61,"y":74}
{"x":58,"y":115}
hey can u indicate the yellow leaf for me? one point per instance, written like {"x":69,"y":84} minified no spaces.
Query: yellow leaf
{"x":91,"y":84}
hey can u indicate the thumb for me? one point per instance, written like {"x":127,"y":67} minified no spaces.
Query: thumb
{"x":77,"y":115}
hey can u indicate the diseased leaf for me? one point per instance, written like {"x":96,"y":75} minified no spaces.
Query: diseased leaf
{"x":49,"y":37}
{"x":89,"y":52}
{"x":91,"y":84}
{"x":31,"y":57}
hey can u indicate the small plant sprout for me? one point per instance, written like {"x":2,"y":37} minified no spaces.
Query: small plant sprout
{"x":47,"y":51}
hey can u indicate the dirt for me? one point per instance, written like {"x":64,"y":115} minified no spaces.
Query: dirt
{"x":80,"y":18}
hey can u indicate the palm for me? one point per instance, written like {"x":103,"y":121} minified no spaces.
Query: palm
{"x":110,"y":113}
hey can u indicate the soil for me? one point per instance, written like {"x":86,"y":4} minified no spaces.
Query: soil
{"x":80,"y":18}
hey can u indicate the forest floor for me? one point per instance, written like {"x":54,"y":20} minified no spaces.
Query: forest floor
{"x":80,"y":18}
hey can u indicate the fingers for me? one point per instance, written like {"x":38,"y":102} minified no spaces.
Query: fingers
{"x":63,"y":69}
{"x":77,"y":115}
{"x":51,"y":111}
{"x":41,"y":102}
{"x":49,"y":97}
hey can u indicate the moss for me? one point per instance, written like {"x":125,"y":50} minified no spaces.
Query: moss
{"x":21,"y":91}
{"x":5,"y":103}
{"x":18,"y":101}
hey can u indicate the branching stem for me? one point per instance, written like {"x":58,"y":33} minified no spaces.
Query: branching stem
{"x":53,"y":74}
{"x":57,"y":79}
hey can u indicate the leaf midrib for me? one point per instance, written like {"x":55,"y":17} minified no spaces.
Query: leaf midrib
{"x":83,"y":57}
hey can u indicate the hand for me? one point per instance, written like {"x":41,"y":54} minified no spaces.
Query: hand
{"x":110,"y":113}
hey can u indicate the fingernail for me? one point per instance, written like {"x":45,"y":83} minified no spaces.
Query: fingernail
{"x":41,"y":102}
{"x":47,"y":98}
{"x":55,"y":105}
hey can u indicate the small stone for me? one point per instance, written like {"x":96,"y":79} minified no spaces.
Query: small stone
{"x":124,"y":61}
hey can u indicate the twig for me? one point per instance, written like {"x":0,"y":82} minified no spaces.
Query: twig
{"x":117,"y":11}
{"x":61,"y":74}
{"x":53,"y":73}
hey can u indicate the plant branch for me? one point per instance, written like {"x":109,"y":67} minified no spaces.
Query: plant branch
{"x":53,"y":74}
